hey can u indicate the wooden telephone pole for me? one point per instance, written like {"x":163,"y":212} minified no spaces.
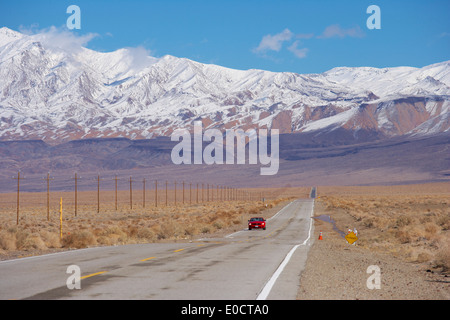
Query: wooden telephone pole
{"x":143,"y":193}
{"x":98,"y":193}
{"x":18,"y":194}
{"x":131,"y":193}
{"x":166,"y":193}
{"x":48,"y":195}
{"x":76,"y":193}
{"x":115,"y":191}
{"x":156,"y":193}
{"x":175,"y":193}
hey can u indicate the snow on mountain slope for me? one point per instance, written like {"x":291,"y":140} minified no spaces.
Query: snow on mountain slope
{"x":430,"y":80}
{"x":51,"y":93}
{"x":8,"y":35}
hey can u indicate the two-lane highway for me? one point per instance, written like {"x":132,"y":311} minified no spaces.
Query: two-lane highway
{"x":256,"y":264}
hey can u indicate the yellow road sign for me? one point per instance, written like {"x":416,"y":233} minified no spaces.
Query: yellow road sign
{"x":351,"y":237}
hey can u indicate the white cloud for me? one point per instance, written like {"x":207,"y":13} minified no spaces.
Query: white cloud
{"x":140,"y":57}
{"x":299,"y":53}
{"x":304,"y":35}
{"x":336,"y":31}
{"x":60,"y":38}
{"x":274,"y":42}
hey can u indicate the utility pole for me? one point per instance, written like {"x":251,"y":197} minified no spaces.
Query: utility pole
{"x":48,"y":195}
{"x":18,"y":195}
{"x":131,"y":193}
{"x":115,"y":191}
{"x":156,"y":193}
{"x":143,"y":193}
{"x":175,"y":193}
{"x":98,"y":193}
{"x":76,"y":193}
{"x":60,"y":219}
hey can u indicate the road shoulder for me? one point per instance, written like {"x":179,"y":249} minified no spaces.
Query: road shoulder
{"x":336,"y":270}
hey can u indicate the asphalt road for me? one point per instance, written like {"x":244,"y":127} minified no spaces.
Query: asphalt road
{"x":256,"y":264}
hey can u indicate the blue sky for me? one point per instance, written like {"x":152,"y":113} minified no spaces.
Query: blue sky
{"x":286,"y":35}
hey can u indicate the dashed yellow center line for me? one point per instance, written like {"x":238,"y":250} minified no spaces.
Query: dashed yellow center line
{"x":93,"y":274}
{"x":203,"y":244}
{"x":150,"y":258}
{"x":146,"y":259}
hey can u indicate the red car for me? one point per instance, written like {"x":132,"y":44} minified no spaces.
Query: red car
{"x":257,"y":223}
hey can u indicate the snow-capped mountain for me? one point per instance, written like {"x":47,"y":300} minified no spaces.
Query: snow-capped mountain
{"x":57,"y":92}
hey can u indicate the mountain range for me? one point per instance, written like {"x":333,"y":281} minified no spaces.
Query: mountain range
{"x":65,"y":109}
{"x":57,"y":92}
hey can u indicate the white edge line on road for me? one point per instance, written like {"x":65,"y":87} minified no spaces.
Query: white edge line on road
{"x":310,"y":223}
{"x":47,"y":255}
{"x":269,"y":285}
{"x":234,"y":233}
{"x":281,"y":210}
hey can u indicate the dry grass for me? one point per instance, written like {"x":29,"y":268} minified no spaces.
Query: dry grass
{"x":35,"y":233}
{"x":410,"y":222}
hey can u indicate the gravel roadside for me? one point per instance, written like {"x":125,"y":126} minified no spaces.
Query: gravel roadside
{"x":336,"y":270}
